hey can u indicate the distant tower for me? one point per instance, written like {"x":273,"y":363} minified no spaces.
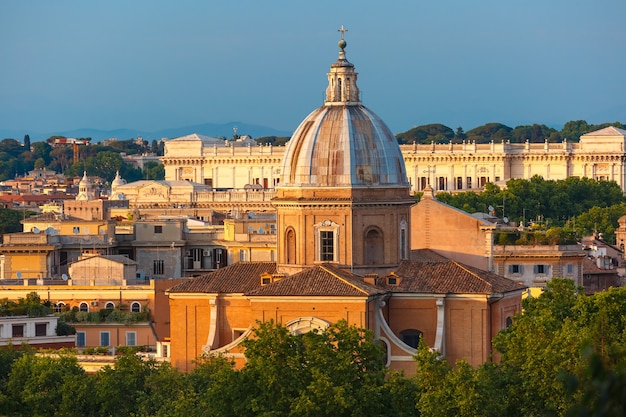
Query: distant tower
{"x":85,"y":189}
{"x":115,"y":184}
{"x":344,"y":197}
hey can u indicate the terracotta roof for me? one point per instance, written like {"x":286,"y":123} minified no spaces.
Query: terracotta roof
{"x":591,"y":268}
{"x":322,"y":280}
{"x":427,"y":255}
{"x":237,"y":278}
{"x":446,"y":277}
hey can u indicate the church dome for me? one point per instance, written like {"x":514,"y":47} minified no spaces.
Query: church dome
{"x":343,"y":143}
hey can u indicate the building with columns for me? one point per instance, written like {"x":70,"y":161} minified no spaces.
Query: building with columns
{"x":343,"y":208}
{"x":599,"y":155}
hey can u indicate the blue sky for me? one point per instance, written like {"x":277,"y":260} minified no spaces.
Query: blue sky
{"x":151,"y":64}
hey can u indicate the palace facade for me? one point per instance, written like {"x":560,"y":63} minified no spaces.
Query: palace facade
{"x":223,"y":165}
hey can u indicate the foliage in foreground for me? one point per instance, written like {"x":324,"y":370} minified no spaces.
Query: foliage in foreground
{"x":565,"y":356}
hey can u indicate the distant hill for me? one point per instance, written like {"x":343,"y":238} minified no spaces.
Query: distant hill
{"x":207,"y":129}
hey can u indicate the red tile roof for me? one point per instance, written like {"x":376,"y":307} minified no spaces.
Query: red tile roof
{"x":322,"y":280}
{"x":446,"y":277}
{"x":237,"y":278}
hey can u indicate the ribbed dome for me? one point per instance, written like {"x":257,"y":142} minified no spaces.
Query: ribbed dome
{"x":346,"y":145}
{"x":343,"y":143}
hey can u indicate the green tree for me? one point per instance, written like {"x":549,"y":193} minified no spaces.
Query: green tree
{"x":426,"y":134}
{"x":38,"y":386}
{"x":104,"y":164}
{"x":153,"y":171}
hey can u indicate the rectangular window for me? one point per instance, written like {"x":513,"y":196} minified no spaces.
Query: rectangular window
{"x":459,"y":183}
{"x":105,"y":339}
{"x":18,"y":330}
{"x":158,"y":229}
{"x":570,"y":268}
{"x":131,"y":338}
{"x":541,"y":269}
{"x":81,"y":339}
{"x":402,"y":244}
{"x":158,"y":267}
{"x":497,"y":179}
{"x":469,"y":182}
{"x":516,"y":269}
{"x":41,"y":329}
{"x":327,"y":246}
{"x":242,"y":255}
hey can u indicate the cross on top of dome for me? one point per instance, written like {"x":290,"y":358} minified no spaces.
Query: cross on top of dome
{"x":342,"y":43}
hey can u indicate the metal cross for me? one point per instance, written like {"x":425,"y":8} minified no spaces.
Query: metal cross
{"x":343,"y":31}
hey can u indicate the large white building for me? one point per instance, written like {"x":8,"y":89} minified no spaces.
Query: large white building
{"x":599,"y":155}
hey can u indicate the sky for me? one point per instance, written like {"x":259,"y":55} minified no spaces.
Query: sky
{"x":155,"y":64}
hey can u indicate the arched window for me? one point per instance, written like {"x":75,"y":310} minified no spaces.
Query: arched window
{"x":59,"y":307}
{"x":509,"y":321}
{"x":135,"y":307}
{"x":109,"y":305}
{"x":83,"y":306}
{"x":290,"y":246}
{"x":411,"y":337}
{"x":374,"y":247}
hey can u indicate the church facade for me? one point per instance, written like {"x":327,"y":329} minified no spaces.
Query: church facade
{"x":343,"y":207}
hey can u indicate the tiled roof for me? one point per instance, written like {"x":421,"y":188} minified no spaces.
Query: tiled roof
{"x":591,"y":268}
{"x":322,"y":280}
{"x":446,"y":277}
{"x":427,"y":255}
{"x":237,"y":278}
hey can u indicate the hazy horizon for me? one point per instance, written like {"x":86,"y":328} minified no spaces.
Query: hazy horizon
{"x":154,"y":65}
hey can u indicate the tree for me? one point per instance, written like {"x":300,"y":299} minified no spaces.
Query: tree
{"x":39,"y":386}
{"x":426,"y":134}
{"x":27,"y":142}
{"x":104,"y":164}
{"x":153,"y":171}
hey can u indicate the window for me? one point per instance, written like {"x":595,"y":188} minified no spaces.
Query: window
{"x":469,"y":182}
{"x":158,"y":266}
{"x":509,"y":321}
{"x":59,"y":307}
{"x":290,"y":245}
{"x":109,"y":306}
{"x":41,"y":329}
{"x":392,"y":281}
{"x":570,"y":268}
{"x":442,"y":183}
{"x":327,"y":240}
{"x":242,"y":255}
{"x":83,"y":307}
{"x":18,"y":330}
{"x":135,"y":307}
{"x":541,"y":269}
{"x":516,"y":269}
{"x":76,"y":230}
{"x":459,"y":183}
{"x":131,"y":338}
{"x":81,"y":339}
{"x":411,"y":337}
{"x":158,"y":229}
{"x":105,"y":338}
